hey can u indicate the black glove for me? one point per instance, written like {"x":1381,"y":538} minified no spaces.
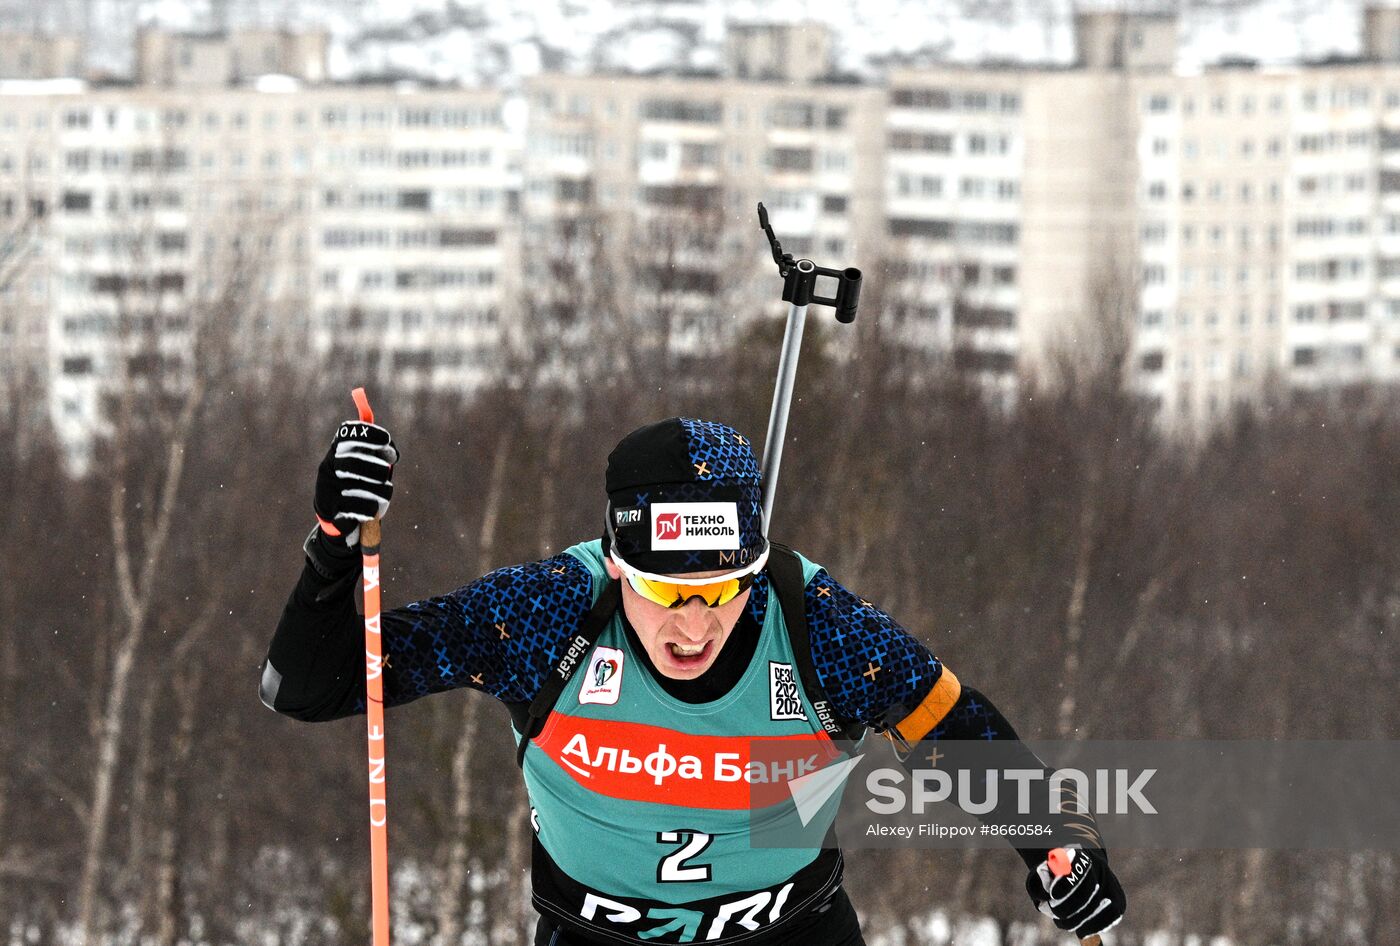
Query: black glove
{"x":1085,"y":901}
{"x":355,"y":480}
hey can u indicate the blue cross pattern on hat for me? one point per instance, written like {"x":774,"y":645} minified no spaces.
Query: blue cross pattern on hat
{"x":685,"y":495}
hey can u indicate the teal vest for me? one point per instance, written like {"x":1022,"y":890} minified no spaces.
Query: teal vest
{"x":653,"y":805}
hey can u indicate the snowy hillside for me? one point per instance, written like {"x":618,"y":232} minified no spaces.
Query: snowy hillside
{"x":492,"y":43}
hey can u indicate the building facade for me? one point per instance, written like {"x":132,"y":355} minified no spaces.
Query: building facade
{"x":346,"y":218}
{"x":1241,"y":225}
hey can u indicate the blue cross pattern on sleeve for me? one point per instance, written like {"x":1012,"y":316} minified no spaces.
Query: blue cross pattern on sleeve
{"x":867,"y":663}
{"x":500,"y":634}
{"x":971,"y":717}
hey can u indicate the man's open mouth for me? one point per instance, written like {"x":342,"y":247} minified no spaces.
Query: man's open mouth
{"x":688,"y":655}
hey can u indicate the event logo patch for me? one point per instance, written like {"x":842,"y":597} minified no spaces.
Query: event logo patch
{"x":604,"y":680}
{"x":685,"y":527}
{"x":784,"y":700}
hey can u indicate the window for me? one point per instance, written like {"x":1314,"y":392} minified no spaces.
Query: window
{"x":455,"y":236}
{"x":1346,"y":311}
{"x":833,"y":203}
{"x":680,"y":110}
{"x":932,"y":99}
{"x":975,"y":316}
{"x":698,"y":155}
{"x":931,"y":229}
{"x":77,"y":201}
{"x":790,"y":159}
{"x":935,"y":143}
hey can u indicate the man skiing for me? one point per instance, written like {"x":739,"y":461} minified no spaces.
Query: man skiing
{"x":695,"y":639}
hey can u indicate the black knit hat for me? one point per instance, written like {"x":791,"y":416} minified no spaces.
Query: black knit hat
{"x":685,"y":495}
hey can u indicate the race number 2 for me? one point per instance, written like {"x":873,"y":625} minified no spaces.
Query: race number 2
{"x":673,"y":868}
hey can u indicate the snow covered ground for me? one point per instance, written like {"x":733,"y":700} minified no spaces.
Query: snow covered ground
{"x":487,"y":42}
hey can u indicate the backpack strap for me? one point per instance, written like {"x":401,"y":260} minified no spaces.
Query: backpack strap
{"x":579,"y":645}
{"x":785,"y":568}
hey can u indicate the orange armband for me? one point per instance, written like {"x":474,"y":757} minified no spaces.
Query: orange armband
{"x":930,"y":712}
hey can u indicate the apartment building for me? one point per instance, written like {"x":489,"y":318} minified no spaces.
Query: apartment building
{"x":376,"y":218}
{"x":677,"y":164}
{"x":38,"y":56}
{"x":1270,"y":237}
{"x":201,"y":60}
{"x":1246,"y":221}
{"x":1242,"y":218}
{"x":1011,"y":199}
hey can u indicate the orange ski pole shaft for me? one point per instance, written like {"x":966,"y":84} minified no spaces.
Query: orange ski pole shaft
{"x":374,"y":717}
{"x":1060,"y":865}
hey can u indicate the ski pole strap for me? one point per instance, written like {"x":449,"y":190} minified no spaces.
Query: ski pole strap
{"x":579,"y":646}
{"x":785,"y":568}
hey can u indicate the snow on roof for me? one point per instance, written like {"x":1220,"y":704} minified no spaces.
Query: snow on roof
{"x":43,"y":86}
{"x":277,"y":84}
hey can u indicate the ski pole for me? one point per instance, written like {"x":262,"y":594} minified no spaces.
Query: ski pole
{"x":1060,"y":863}
{"x":374,"y":717}
{"x":799,"y":290}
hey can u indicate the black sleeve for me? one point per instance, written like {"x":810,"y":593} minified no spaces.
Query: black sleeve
{"x":973,"y":720}
{"x":498,"y":634}
{"x":314,"y":670}
{"x":876,"y":672}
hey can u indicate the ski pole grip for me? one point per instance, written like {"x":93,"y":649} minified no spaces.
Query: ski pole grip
{"x":369,"y":532}
{"x":361,"y":400}
{"x":1061,"y":863}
